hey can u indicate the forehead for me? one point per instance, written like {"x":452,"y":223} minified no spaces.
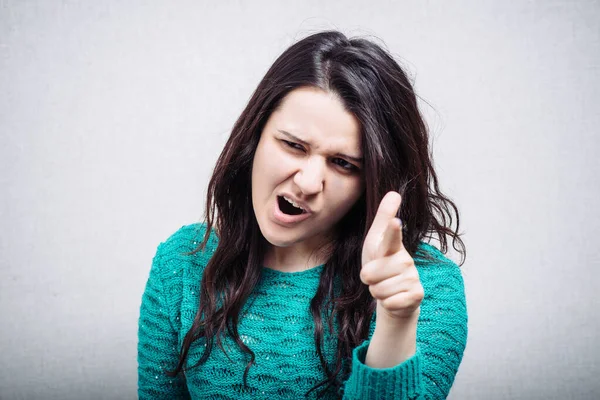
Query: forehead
{"x":319,"y":118}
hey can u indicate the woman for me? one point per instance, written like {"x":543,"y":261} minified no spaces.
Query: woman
{"x":306,"y":283}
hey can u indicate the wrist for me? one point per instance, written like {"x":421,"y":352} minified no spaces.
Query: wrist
{"x":385,"y":319}
{"x":394,"y":340}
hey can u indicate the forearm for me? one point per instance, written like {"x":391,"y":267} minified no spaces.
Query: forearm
{"x":393,"y":341}
{"x":387,"y":366}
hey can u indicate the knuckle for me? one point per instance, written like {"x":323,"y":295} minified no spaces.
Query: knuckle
{"x":419,"y":294}
{"x":368,"y":273}
{"x":365,"y":275}
{"x":386,"y":303}
{"x":413,"y":275}
{"x":373,"y":290}
{"x":404,"y":261}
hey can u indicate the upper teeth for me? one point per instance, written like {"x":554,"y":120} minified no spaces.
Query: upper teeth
{"x":293,"y":203}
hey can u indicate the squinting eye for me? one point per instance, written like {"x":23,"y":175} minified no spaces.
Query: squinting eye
{"x":345,"y":164}
{"x":293,"y":145}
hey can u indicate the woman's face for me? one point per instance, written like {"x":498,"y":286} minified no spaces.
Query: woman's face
{"x":310,"y":153}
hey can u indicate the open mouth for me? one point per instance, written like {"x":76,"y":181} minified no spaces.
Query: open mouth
{"x":288,"y":208}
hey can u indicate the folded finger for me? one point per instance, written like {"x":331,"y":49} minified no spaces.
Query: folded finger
{"x":385,"y":267}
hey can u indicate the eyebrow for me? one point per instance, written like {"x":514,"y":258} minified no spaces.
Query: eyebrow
{"x":304,"y":142}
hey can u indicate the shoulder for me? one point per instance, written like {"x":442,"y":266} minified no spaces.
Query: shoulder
{"x":180,"y":257}
{"x":440,"y":276}
{"x":184,"y":241}
{"x":428,"y":254}
{"x":429,"y":258}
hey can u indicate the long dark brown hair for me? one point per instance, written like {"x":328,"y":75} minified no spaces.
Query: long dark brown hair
{"x":375,"y":89}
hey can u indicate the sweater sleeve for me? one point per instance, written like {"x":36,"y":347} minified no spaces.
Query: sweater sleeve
{"x":441,"y":340}
{"x":157,"y":341}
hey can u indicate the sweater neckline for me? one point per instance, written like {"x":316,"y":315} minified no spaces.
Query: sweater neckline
{"x":308,"y":273}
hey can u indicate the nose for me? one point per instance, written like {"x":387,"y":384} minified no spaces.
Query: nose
{"x":311,"y":177}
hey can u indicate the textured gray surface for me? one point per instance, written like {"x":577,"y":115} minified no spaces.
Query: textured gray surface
{"x":113,"y":113}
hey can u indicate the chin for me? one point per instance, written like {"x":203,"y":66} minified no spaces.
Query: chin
{"x":278,"y":239}
{"x":279,"y":243}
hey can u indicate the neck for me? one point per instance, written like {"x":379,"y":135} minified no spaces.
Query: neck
{"x":295,"y":258}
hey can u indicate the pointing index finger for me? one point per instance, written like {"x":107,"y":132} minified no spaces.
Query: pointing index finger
{"x":392,"y":239}
{"x":387,"y":210}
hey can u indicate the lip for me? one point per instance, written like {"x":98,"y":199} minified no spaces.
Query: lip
{"x":299,"y":202}
{"x":285,"y":219}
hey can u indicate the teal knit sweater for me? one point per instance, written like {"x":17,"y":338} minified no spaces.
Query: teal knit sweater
{"x":277,"y":326}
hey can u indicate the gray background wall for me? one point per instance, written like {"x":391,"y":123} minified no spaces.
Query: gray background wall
{"x":112,"y":115}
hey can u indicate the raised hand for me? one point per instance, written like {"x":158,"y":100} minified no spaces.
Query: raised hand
{"x":387,"y":267}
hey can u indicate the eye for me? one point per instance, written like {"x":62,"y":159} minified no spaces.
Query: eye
{"x":293,"y":145}
{"x":345,"y":165}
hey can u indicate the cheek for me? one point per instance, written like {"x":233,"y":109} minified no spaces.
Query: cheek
{"x":276,"y":159}
{"x":346,"y":193}
{"x":271,"y":167}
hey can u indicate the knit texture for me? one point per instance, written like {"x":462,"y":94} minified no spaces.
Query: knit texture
{"x":276,"y":324}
